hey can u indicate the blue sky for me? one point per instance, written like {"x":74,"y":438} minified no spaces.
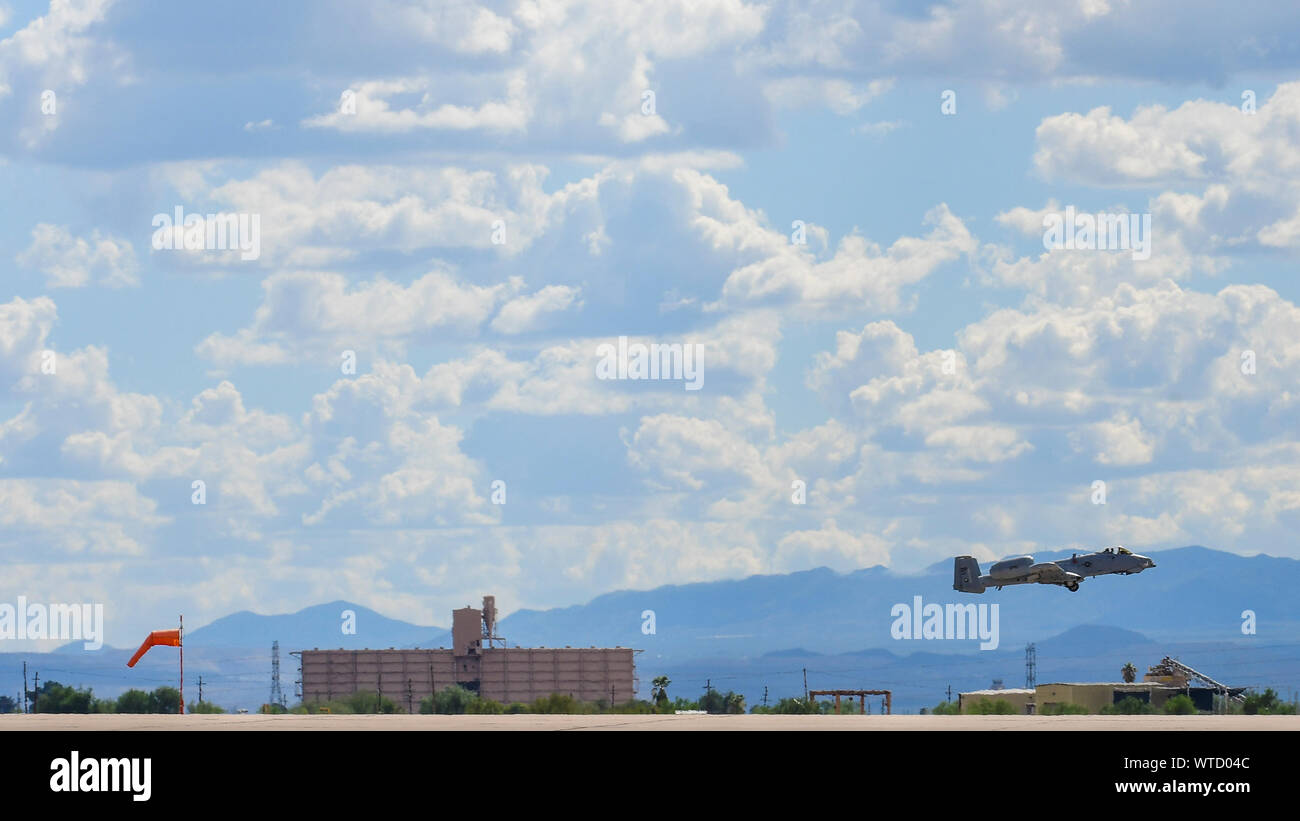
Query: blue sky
{"x":939,"y":381}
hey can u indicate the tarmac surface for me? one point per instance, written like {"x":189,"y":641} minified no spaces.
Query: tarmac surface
{"x":81,"y":723}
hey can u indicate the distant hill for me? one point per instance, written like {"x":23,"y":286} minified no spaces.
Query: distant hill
{"x":739,"y":633}
{"x":1095,"y":638}
{"x":1193,"y":594}
{"x":320,"y":626}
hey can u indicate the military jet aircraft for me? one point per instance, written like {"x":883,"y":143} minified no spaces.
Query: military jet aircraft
{"x":1065,"y":572}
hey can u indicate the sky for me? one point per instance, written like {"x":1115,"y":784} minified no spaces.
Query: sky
{"x":453,"y":212}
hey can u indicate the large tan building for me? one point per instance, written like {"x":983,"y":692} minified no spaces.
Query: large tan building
{"x":505,"y":674}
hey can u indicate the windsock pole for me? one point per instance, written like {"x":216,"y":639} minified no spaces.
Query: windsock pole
{"x":182,"y":648}
{"x":165,"y":638}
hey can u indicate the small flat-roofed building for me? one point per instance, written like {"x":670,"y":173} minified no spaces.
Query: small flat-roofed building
{"x":1092,"y":696}
{"x":1096,"y":696}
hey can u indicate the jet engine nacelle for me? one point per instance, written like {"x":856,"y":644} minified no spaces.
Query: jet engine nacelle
{"x":1011,"y":568}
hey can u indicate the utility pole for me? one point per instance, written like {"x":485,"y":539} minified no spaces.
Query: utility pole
{"x":805,"y":684}
{"x":949,"y":692}
{"x":36,"y":690}
{"x":408,"y":696}
{"x":764,"y":695}
{"x":200,"y":689}
{"x":24,"y":687}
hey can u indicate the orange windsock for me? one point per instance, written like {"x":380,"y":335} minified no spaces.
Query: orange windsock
{"x":158,"y":638}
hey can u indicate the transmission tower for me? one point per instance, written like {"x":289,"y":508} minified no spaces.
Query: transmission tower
{"x":277,"y":697}
{"x":1031,"y":666}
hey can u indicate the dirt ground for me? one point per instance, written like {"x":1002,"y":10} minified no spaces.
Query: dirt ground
{"x":639,"y":722}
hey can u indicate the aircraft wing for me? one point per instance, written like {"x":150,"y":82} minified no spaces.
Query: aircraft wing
{"x":1052,"y":573}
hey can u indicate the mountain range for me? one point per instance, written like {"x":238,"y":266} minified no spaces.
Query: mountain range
{"x":745,"y":634}
{"x":1194,"y":593}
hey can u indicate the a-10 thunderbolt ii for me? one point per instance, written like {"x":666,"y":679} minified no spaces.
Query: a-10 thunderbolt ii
{"x":1065,"y":572}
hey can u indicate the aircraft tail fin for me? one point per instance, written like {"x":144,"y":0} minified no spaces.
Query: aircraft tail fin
{"x":966,"y":575}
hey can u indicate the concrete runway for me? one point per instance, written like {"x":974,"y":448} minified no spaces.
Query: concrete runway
{"x":82,"y":723}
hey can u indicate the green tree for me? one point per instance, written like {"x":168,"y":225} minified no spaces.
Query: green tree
{"x":999,"y":707}
{"x":453,"y":700}
{"x":1266,"y":703}
{"x":947,"y":708}
{"x":659,"y":691}
{"x":54,"y":697}
{"x":1128,"y":706}
{"x":561,"y":704}
{"x":207,"y":707}
{"x":8,"y":705}
{"x":1180,"y":705}
{"x":1063,"y":709}
{"x":368,"y":701}
{"x":165,"y":700}
{"x":485,"y":707}
{"x":1129,"y":672}
{"x":735,"y":703}
{"x":713,"y":702}
{"x":133,"y":701}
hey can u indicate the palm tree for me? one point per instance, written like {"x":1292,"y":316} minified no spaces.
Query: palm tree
{"x":659,"y":690}
{"x":1129,"y":672}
